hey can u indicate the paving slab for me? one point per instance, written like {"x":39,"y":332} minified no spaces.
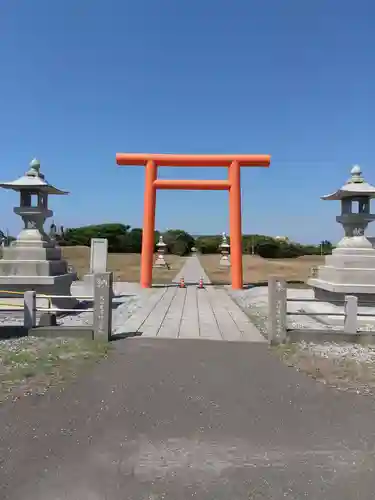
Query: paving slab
{"x":228,"y":327}
{"x":191,"y":312}
{"x":192,"y":271}
{"x":249,"y":331}
{"x":172,"y":320}
{"x":155,"y":320}
{"x":208,"y":326}
{"x":136,"y":321}
{"x":189,"y":327}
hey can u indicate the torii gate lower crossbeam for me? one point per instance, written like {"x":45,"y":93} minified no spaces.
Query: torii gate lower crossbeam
{"x":233,"y":185}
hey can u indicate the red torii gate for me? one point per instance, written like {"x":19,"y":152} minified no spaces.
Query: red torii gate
{"x":233,"y":185}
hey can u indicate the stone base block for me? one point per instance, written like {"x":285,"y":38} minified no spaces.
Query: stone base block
{"x":15,"y":268}
{"x":48,"y":285}
{"x":88,"y":279}
{"x":347,"y":276}
{"x":333,"y":292}
{"x":345,"y":260}
{"x":160,"y":263}
{"x":224,"y":262}
{"x":31,"y":253}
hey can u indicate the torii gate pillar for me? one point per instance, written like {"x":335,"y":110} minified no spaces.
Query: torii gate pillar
{"x":233,"y":185}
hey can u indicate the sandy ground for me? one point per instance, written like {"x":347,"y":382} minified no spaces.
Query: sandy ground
{"x":256,"y":269}
{"x":125,"y":266}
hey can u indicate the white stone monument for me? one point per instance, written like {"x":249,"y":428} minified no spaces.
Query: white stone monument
{"x":98,"y":255}
{"x":98,"y":259}
{"x":161,"y":247}
{"x":350,"y":270}
{"x":224,"y":249}
{"x":33,"y":261}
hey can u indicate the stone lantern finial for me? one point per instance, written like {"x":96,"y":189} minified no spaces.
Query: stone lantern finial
{"x":34,"y":166}
{"x":356,"y":175}
{"x":34,"y":170}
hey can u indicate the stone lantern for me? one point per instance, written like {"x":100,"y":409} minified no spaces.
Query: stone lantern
{"x":224,"y":249}
{"x":161,"y":248}
{"x":33,"y":261}
{"x":350,"y":270}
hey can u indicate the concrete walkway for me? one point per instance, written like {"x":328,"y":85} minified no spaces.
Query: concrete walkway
{"x":192,"y":271}
{"x":178,"y":420}
{"x":208,"y":313}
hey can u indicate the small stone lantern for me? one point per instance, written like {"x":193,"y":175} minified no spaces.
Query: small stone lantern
{"x":224,"y":249}
{"x":33,"y":261}
{"x":161,"y":248}
{"x":350,"y":270}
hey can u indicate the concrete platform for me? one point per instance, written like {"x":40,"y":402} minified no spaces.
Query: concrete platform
{"x":208,"y":313}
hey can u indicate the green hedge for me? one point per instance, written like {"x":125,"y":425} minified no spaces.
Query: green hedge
{"x":122,"y":238}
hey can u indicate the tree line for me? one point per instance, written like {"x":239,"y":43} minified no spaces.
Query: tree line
{"x":124,"y":239}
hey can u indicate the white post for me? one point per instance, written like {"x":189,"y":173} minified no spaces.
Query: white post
{"x":29,"y":311}
{"x":277,"y":309}
{"x":103,"y":295}
{"x":351,"y":314}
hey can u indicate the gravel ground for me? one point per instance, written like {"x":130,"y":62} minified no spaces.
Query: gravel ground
{"x":344,"y":366}
{"x":254,"y":302}
{"x":355,"y":352}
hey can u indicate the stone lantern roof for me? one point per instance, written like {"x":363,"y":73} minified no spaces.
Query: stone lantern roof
{"x":32,"y":180}
{"x":356,"y":186}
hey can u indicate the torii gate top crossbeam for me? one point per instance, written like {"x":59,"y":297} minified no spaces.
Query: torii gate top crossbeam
{"x":177,"y":160}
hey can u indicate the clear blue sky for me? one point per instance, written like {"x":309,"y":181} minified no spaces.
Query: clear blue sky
{"x":84,"y":79}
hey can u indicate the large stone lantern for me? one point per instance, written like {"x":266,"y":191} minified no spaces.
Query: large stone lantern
{"x":33,"y":261}
{"x":161,"y":248}
{"x":224,"y":250}
{"x":350,"y":270}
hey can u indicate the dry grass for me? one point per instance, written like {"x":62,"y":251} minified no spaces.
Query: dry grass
{"x":125,"y":266}
{"x":30,"y":365}
{"x":256,"y":269}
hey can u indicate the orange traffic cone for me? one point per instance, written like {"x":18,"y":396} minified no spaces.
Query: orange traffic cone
{"x":200,"y":284}
{"x":182,"y":282}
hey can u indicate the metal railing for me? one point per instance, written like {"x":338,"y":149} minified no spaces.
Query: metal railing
{"x":65,"y":310}
{"x":278,"y":313}
{"x":20,"y":294}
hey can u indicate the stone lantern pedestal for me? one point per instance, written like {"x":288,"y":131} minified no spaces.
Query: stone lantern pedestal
{"x":33,"y":261}
{"x":350,"y":270}
{"x":161,"y":248}
{"x":224,"y":249}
